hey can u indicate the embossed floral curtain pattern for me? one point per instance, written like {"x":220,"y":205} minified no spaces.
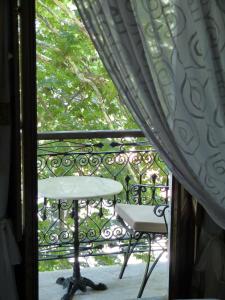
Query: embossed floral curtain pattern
{"x":167,"y":59}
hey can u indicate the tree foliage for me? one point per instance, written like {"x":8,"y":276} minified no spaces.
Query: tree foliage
{"x":75,"y":91}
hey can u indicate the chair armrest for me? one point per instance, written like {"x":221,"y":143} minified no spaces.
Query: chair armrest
{"x":160,"y":211}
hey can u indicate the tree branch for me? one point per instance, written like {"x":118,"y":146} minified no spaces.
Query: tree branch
{"x":45,"y":21}
{"x":71,"y":16}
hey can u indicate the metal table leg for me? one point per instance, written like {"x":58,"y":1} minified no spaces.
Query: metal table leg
{"x":77,"y":282}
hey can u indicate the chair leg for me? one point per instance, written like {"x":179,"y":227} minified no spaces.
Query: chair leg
{"x":148,"y":270}
{"x":144,"y":281}
{"x":128,"y":254}
{"x":126,"y":258}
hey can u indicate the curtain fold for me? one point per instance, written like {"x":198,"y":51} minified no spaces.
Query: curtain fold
{"x":9,"y":254}
{"x":167,"y":59}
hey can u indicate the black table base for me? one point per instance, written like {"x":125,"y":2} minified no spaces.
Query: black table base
{"x":74,"y":285}
{"x":77,"y":282}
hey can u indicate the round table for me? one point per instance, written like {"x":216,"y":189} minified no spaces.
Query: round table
{"x":77,"y":188}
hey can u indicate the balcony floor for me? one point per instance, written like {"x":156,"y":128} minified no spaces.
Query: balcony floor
{"x":124,"y":289}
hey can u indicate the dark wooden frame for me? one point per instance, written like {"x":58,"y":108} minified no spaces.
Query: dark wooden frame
{"x":182,"y":242}
{"x":29,"y":149}
{"x":14,"y":203}
{"x":19,"y":39}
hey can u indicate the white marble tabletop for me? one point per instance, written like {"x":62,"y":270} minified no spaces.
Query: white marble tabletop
{"x":78,"y":187}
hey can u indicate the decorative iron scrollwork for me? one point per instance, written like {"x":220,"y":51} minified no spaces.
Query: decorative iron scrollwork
{"x":130,"y":160}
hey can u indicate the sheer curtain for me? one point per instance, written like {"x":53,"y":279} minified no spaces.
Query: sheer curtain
{"x":9,"y":255}
{"x":167,"y":59}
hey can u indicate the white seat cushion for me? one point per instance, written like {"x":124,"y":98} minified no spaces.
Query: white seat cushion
{"x":141,"y":218}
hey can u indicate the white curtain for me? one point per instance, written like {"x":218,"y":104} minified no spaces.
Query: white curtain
{"x":167,"y":59}
{"x":9,"y":255}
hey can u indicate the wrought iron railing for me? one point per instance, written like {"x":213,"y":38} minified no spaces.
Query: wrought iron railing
{"x":122,"y":155}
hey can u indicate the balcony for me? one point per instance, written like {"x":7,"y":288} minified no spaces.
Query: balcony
{"x":125,"y":289}
{"x":121,"y":155}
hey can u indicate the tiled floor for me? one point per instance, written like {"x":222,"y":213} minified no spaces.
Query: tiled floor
{"x":124,"y":289}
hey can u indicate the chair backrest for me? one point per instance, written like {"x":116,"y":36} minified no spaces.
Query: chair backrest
{"x":149,"y":194}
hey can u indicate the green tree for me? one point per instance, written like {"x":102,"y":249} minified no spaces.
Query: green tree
{"x":74,"y":91}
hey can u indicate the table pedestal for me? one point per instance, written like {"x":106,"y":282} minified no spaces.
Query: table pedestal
{"x":77,"y":282}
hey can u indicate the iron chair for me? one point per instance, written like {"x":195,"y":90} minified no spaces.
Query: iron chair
{"x":141,"y":221}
